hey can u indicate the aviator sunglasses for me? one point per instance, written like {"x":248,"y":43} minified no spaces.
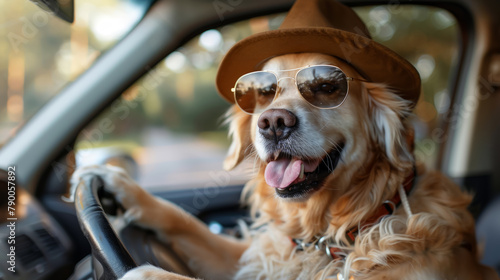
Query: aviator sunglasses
{"x":322,"y":86}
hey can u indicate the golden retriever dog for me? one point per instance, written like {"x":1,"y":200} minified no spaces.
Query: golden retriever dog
{"x":324,"y":179}
{"x":324,"y":113}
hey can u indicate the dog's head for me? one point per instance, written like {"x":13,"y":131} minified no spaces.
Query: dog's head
{"x":304,"y":151}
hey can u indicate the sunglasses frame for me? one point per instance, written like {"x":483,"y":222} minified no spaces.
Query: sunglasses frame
{"x":275,"y":73}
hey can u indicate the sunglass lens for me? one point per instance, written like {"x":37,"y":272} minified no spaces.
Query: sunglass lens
{"x":323,"y":86}
{"x":255,"y":91}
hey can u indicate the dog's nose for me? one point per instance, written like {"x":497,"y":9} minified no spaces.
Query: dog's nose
{"x":277,"y":124}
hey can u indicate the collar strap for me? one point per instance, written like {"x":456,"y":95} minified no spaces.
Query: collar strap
{"x":386,"y":209}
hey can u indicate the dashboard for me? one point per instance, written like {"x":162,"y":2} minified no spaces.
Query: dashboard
{"x":32,"y":244}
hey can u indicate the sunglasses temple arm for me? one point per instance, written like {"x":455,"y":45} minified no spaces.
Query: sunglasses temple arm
{"x":357,"y":79}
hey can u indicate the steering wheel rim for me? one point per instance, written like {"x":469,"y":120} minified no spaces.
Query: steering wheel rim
{"x":111,"y":260}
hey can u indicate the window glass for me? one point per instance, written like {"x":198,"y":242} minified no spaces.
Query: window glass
{"x":428,"y":37}
{"x":40,"y":53}
{"x":169,"y":121}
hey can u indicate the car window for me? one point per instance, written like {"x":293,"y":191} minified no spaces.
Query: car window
{"x":429,"y":38}
{"x":40,"y":53}
{"x":169,"y":122}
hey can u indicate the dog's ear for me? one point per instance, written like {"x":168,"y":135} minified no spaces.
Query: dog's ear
{"x":239,"y":131}
{"x":389,"y":115}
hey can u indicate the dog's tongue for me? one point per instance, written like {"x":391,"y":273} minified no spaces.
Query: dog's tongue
{"x":283,"y":172}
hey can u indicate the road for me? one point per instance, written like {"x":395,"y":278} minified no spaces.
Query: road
{"x":170,"y":161}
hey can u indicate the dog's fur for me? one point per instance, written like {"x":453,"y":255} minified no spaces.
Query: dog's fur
{"x":435,"y":240}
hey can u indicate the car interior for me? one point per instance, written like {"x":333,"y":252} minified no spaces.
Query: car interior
{"x":149,"y":105}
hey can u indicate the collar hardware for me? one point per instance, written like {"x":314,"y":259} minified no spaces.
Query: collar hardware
{"x":332,"y":249}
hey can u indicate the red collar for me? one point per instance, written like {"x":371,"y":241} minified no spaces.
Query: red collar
{"x":386,"y":209}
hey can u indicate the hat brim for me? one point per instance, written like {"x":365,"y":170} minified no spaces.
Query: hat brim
{"x":372,"y":60}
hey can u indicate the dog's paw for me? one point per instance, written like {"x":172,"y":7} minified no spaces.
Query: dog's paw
{"x":144,"y":272}
{"x":116,"y":181}
{"x":149,"y":272}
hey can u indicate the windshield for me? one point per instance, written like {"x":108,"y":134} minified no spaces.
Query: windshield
{"x":40,"y":54}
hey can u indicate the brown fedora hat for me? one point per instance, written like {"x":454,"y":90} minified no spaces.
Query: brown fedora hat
{"x":321,"y":26}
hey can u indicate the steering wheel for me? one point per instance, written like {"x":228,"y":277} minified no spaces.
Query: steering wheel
{"x":111,"y":260}
{"x":111,"y":252}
